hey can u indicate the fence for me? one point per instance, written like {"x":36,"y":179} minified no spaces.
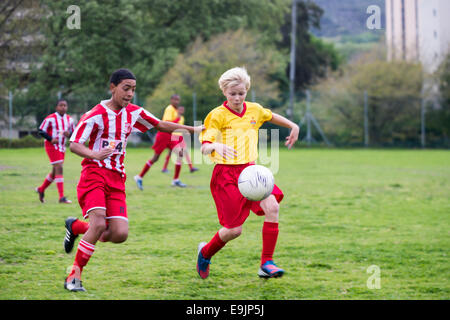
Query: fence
{"x":339,"y":119}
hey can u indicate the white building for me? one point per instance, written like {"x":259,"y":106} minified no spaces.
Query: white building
{"x":418,"y":30}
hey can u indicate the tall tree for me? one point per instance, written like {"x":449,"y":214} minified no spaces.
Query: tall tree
{"x":19,"y":43}
{"x":199,"y":68}
{"x":393,"y":91}
{"x":143,"y":35}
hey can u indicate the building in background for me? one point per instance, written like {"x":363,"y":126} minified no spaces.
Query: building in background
{"x":418,"y":30}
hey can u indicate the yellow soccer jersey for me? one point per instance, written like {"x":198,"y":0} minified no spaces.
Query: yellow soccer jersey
{"x":181,"y":121}
{"x":170,"y":113}
{"x":239,"y":131}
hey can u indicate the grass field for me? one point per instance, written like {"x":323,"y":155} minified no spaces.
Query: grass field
{"x":344,"y":210}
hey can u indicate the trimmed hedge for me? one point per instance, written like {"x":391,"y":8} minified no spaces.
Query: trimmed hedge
{"x":26,"y":142}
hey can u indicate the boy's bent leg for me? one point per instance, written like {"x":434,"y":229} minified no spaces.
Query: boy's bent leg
{"x":74,"y":227}
{"x":207,"y":250}
{"x":270,"y":232}
{"x":86,"y":248}
{"x":116,"y":232}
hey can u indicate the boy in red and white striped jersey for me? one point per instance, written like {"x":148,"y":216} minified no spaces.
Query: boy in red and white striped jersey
{"x":55,"y":128}
{"x":101,"y":189}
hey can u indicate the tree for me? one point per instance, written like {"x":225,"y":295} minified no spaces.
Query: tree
{"x":313,"y":56}
{"x":438,"y":117}
{"x":143,"y":35}
{"x":19,"y":43}
{"x":394,"y":100}
{"x":199,"y":68}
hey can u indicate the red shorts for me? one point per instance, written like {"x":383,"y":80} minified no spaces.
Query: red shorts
{"x":165,"y":140}
{"x":101,"y":188}
{"x":232,"y":207}
{"x":54,"y":155}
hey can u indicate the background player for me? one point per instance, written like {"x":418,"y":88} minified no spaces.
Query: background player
{"x":182,"y":144}
{"x":101,"y":189}
{"x":165,"y":140}
{"x":232,"y":125}
{"x":55,"y":128}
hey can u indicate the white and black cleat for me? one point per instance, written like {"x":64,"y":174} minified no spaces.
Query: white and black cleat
{"x":69,"y":239}
{"x":74,"y":285}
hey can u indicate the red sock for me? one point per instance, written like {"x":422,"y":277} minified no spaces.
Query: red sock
{"x":84,"y":253}
{"x":166,"y":162}
{"x":147,"y":166}
{"x":47,"y":181}
{"x":79,"y":227}
{"x":177,"y":171}
{"x":269,"y":238}
{"x":60,"y":185}
{"x":213,"y":246}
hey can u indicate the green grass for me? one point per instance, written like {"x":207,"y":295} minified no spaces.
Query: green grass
{"x":344,"y":210}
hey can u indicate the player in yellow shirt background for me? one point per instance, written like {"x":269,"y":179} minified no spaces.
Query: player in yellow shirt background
{"x":230,"y":139}
{"x":165,"y":140}
{"x":182,"y":144}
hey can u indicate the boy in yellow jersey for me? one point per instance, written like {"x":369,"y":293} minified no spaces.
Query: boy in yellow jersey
{"x":230,"y":139}
{"x":165,"y":140}
{"x":182,"y":145}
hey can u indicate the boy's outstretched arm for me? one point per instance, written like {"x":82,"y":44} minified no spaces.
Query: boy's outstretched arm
{"x":167,"y":126}
{"x":283,"y":122}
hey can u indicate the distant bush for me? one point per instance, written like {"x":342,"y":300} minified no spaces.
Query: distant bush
{"x":25,"y":142}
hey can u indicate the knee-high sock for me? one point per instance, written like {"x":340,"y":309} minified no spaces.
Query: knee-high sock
{"x":177,"y":170}
{"x":59,"y":179}
{"x":269,"y":238}
{"x":79,"y":227}
{"x":84,"y":252}
{"x":147,"y":166}
{"x":213,"y":246}
{"x":47,"y":181}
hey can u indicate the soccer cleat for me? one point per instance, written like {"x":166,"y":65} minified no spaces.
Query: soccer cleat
{"x":70,"y":237}
{"x":165,"y":171}
{"x":193,"y":169}
{"x":178,"y":183}
{"x":139,"y":182}
{"x":41,"y":195}
{"x":202,"y":263}
{"x":64,"y":200}
{"x":270,"y":270}
{"x":74,"y":285}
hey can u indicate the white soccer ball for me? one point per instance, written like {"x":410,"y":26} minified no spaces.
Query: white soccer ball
{"x":256,"y":182}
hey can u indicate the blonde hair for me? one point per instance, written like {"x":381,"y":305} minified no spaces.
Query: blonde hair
{"x":234,"y":77}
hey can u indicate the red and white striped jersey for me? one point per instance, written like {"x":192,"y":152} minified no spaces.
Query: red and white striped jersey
{"x":104,"y":128}
{"x":55,"y":125}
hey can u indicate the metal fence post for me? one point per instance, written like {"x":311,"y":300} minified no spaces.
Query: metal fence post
{"x":308,"y":118}
{"x":366,"y":120}
{"x":422,"y":123}
{"x":194,"y":106}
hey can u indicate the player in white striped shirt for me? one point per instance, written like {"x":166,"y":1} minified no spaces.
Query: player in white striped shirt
{"x":55,"y":128}
{"x":101,"y":189}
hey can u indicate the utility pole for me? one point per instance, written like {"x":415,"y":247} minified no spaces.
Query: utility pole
{"x":422,"y":122}
{"x":308,"y":118}
{"x":194,"y":106}
{"x":10,"y":115}
{"x":292,"y":63}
